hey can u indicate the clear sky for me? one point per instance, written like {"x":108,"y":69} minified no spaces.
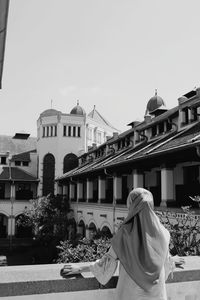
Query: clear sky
{"x":108,"y":53}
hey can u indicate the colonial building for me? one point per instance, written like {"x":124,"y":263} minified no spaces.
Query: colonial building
{"x":62,"y":137}
{"x":18,"y":181}
{"x":161,"y":153}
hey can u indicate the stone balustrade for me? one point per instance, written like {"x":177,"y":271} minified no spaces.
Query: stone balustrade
{"x":41,"y":282}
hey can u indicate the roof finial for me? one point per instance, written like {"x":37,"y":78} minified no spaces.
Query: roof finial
{"x":51,"y":103}
{"x":156,"y":92}
{"x":77,"y":102}
{"x":94,"y":107}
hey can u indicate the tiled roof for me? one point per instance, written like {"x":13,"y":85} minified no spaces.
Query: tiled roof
{"x":186,"y":138}
{"x":24,"y":156}
{"x":15,"y":174}
{"x":16,"y":146}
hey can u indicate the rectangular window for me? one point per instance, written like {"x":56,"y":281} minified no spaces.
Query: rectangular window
{"x":17,"y":163}
{"x":55,"y":128}
{"x":190,"y":175}
{"x":161,"y":127}
{"x":3,"y":160}
{"x":25,"y":163}
{"x":69,"y":130}
{"x":79,"y":131}
{"x":74,"y":131}
{"x":99,"y":137}
{"x":2,"y":190}
{"x":154,"y":131}
{"x":43,"y":134}
{"x":64,"y":130}
{"x":51,"y":130}
{"x":47,"y":130}
{"x":169,"y":125}
{"x":194,"y":114}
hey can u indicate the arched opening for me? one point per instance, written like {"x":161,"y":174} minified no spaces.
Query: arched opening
{"x":3,"y":226}
{"x":81,"y":229}
{"x":70,"y":162}
{"x":22,"y":227}
{"x":48,"y":174}
{"x":92,"y":231}
{"x":105,"y":232}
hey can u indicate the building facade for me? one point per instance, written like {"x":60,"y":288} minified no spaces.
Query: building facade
{"x":18,"y":182}
{"x":161,"y":153}
{"x":62,"y":137}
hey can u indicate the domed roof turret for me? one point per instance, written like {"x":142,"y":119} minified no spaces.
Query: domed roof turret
{"x":154,"y":103}
{"x":77,"y":110}
{"x":49,"y":112}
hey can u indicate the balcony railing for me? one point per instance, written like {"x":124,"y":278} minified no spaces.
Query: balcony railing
{"x":45,"y":282}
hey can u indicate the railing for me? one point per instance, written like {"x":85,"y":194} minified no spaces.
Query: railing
{"x":46,"y":282}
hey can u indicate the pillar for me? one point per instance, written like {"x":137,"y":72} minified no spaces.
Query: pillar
{"x":138,"y":179}
{"x":71,"y":191}
{"x":89,"y":190}
{"x":181,"y":117}
{"x":117,"y":188}
{"x":58,"y":188}
{"x":101,"y":189}
{"x":65,"y":190}
{"x":167,"y":186}
{"x":190,"y":115}
{"x":79,"y":191}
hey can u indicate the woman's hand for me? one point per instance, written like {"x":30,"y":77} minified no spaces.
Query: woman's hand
{"x":70,"y":270}
{"x":179,"y":261}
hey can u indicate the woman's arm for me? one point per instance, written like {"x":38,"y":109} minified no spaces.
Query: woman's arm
{"x":70,"y":269}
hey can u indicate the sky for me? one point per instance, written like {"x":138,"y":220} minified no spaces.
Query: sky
{"x":108,"y":53}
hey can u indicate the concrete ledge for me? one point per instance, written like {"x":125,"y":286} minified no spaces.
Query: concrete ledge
{"x":46,"y":279}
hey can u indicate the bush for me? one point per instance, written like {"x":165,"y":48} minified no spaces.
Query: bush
{"x":84,"y":251}
{"x":184,"y":231}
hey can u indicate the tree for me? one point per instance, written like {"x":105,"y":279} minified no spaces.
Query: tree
{"x":47,"y":216}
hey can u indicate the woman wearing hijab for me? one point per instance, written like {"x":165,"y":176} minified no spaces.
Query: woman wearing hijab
{"x":142,"y":247}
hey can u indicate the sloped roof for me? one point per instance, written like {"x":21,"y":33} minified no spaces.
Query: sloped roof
{"x":24,"y":156}
{"x":16,"y":146}
{"x":4,"y":4}
{"x":188,"y":137}
{"x":15,"y":174}
{"x":96,"y":116}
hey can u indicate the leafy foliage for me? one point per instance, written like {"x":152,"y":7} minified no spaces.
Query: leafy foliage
{"x":184,"y":230}
{"x":85,"y":251}
{"x":47,"y":216}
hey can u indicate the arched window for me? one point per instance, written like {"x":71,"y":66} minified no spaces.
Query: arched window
{"x":92,"y":230}
{"x":48,"y":174}
{"x":105,"y":232}
{"x":70,"y":162}
{"x":81,"y":228}
{"x":23,"y":231}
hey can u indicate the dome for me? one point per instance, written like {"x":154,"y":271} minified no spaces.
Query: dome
{"x":49,"y":112}
{"x":154,"y":103}
{"x":77,"y":110}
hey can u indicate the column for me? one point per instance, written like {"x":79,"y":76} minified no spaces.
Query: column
{"x":181,"y":118}
{"x":101,"y":189}
{"x":117,"y":188}
{"x":58,"y":188}
{"x":71,"y":191}
{"x":79,"y":191}
{"x":65,"y":190}
{"x":190,"y":115}
{"x":138,"y":179}
{"x":167,"y":186}
{"x":89,"y":190}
